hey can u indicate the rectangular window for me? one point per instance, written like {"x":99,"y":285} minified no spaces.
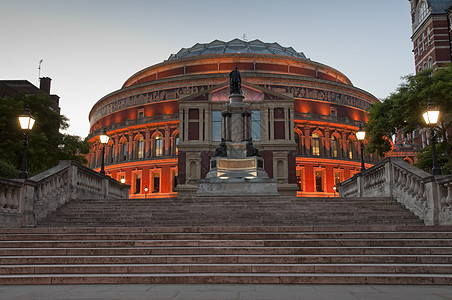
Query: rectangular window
{"x":334,"y":147}
{"x":140,"y":148}
{"x":315,"y":144}
{"x":318,"y":181}
{"x":124,"y":151}
{"x":256,"y":125}
{"x":112,"y":154}
{"x":216,"y":126}
{"x":137,"y":189}
{"x":156,"y":183}
{"x":350,"y":149}
{"x":140,"y":113}
{"x":193,"y":131}
{"x":280,"y":132}
{"x":174,"y":180}
{"x":158,"y":146}
{"x":337,"y":178}
{"x":299,"y":181}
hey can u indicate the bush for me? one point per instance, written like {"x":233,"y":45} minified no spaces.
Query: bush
{"x":7,"y":170}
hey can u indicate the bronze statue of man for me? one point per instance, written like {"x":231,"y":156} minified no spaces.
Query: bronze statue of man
{"x":235,"y":82}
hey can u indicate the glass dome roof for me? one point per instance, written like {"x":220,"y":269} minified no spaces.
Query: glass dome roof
{"x":237,"y":46}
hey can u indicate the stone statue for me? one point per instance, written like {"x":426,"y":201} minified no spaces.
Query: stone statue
{"x":235,"y":82}
{"x":250,"y":149}
{"x":221,"y":151}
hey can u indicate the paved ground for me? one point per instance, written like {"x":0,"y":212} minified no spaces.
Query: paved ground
{"x":226,"y":292}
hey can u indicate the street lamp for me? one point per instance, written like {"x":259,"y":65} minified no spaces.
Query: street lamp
{"x":146,"y":192}
{"x":360,"y":135}
{"x":26,"y":122}
{"x":334,"y":189}
{"x":431,"y":116}
{"x":104,"y":138}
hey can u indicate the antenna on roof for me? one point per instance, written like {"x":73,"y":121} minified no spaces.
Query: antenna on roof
{"x":244,"y":38}
{"x":39,"y":69}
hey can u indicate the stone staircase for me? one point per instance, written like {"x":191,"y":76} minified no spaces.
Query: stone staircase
{"x":224,"y":211}
{"x":228,"y":240}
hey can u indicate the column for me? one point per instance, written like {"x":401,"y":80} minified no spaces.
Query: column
{"x":147,"y":143}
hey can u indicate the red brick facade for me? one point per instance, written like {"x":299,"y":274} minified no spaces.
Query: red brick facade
{"x":309,"y":114}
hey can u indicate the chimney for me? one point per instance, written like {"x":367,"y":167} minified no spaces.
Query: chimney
{"x":44,"y":84}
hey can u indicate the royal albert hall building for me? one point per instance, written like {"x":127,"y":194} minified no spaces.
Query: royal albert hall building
{"x":165,"y":122}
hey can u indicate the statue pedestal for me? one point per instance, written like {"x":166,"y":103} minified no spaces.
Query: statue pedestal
{"x":237,"y":176}
{"x":237,"y":187}
{"x":237,"y":169}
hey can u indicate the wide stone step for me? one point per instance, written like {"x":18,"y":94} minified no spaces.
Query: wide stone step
{"x":117,"y":251}
{"x":227,"y":278}
{"x":226,"y":268}
{"x":377,"y":254}
{"x":227,"y":259}
{"x":223,"y":236}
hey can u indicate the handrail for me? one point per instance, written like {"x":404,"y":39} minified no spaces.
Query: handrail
{"x":25,"y":202}
{"x":428,"y":197}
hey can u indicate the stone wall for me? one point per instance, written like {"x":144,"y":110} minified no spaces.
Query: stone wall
{"x":24,"y":202}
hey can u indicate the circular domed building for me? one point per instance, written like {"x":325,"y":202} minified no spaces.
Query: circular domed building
{"x":166,"y":121}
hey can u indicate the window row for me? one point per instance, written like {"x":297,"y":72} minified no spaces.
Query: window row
{"x":319,"y":180}
{"x":139,"y":148}
{"x":316,"y":145}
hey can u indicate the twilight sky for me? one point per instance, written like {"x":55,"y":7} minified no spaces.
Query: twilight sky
{"x":90,"y":47}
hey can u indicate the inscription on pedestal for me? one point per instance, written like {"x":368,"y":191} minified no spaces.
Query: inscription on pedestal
{"x":236,"y":163}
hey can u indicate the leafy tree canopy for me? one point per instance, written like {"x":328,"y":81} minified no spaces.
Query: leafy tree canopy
{"x":46,"y":144}
{"x":403,"y":110}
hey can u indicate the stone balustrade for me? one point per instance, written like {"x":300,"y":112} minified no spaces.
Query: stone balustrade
{"x":428,"y":197}
{"x":25,"y":202}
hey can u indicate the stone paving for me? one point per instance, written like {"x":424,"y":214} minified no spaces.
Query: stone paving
{"x":226,"y":292}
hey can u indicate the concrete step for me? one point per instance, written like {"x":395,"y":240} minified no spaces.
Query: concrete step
{"x":246,"y":211}
{"x":227,"y":278}
{"x":143,"y":268}
{"x":380,"y":254}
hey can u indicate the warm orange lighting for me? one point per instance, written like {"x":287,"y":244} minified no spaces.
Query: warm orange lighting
{"x":431,"y":115}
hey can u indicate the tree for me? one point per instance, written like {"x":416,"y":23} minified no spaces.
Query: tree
{"x":403,"y":109}
{"x":46,"y":144}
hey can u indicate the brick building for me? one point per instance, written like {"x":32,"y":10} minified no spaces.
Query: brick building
{"x":165,"y":121}
{"x":431,"y":22}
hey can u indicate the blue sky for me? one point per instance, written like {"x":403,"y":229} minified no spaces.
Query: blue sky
{"x":89,"y":48}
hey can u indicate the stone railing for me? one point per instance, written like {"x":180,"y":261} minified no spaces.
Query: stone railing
{"x":24,"y":202}
{"x":427,"y":196}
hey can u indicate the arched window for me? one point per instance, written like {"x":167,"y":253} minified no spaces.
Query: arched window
{"x":112,"y":153}
{"x":297,"y":143}
{"x":350,"y":149}
{"x":140,"y":148}
{"x":124,"y":150}
{"x":315,"y":144}
{"x":158,"y":145}
{"x":176,"y":142}
{"x":334,"y":146}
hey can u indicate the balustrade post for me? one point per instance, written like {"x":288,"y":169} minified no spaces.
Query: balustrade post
{"x":431,"y":192}
{"x":449,"y":196}
{"x":27,"y":197}
{"x":2,"y":198}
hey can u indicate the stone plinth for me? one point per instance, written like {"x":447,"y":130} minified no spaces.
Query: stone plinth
{"x":237,"y":176}
{"x":237,"y":187}
{"x":227,"y":168}
{"x":238,"y":169}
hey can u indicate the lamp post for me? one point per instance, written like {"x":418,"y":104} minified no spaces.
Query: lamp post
{"x":431,"y":116}
{"x":146,"y":192}
{"x":360,"y":135}
{"x":104,"y":138}
{"x":334,"y":189}
{"x":26,"y":122}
